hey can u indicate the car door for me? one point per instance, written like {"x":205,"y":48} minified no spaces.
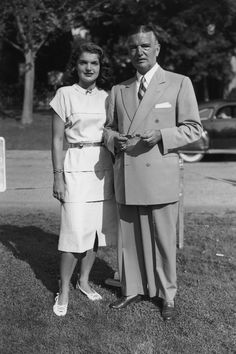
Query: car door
{"x":222,"y":127}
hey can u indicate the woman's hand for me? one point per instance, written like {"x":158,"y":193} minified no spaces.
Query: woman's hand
{"x":120,"y":142}
{"x":59,"y":187}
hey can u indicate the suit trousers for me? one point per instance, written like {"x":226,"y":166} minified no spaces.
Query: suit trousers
{"x":147,"y":250}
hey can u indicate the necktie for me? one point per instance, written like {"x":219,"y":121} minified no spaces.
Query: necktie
{"x":142,"y":88}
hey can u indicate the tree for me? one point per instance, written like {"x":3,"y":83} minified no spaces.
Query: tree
{"x":203,"y":40}
{"x":109,"y":28}
{"x":198,"y":38}
{"x":27,"y":25}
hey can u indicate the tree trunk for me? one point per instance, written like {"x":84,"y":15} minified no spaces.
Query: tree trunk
{"x":27,"y":112}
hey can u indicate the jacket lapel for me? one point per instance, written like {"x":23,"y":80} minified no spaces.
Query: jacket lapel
{"x":130,"y":100}
{"x":154,"y":91}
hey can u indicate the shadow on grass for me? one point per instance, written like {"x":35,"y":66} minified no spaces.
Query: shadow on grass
{"x":39,"y":249}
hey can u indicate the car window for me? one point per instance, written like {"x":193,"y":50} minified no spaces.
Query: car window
{"x":224,"y":113}
{"x":234,"y":112}
{"x":205,"y":113}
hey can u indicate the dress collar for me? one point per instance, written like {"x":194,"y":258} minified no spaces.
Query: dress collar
{"x":93,"y":91}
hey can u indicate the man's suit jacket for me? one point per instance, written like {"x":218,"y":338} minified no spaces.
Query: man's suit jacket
{"x":142,"y":175}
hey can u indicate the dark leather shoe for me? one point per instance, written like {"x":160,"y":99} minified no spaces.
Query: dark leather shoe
{"x":125,"y":301}
{"x":168,"y":311}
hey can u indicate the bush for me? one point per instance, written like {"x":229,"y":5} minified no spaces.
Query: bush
{"x":42,"y":96}
{"x":11,"y":95}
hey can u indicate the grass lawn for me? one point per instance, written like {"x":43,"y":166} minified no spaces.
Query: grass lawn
{"x":36,"y":136}
{"x":29,"y":271}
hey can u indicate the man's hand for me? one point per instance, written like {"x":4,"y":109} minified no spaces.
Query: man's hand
{"x":120,"y":143}
{"x":151,"y":137}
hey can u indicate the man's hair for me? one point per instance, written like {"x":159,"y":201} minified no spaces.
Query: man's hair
{"x":134,"y":29}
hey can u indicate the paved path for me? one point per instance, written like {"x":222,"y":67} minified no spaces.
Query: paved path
{"x":29,"y":180}
{"x":208,"y":185}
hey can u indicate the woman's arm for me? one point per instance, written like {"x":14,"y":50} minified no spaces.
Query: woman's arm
{"x":57,"y":157}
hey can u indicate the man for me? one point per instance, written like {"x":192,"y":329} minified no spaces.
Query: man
{"x":149,"y":117}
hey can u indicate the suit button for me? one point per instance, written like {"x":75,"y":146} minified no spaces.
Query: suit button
{"x":148,"y":164}
{"x":156,"y":120}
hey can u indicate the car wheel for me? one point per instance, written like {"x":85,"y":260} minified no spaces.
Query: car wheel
{"x":191,"y":157}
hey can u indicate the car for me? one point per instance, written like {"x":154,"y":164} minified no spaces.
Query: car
{"x":218,"y":119}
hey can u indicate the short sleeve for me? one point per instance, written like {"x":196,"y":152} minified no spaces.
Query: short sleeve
{"x":58,"y":104}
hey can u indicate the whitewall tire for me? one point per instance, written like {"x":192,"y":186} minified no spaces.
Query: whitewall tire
{"x":194,"y":157}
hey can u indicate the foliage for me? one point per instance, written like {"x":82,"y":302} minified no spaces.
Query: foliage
{"x":197,"y":38}
{"x":109,"y":29}
{"x":203,"y":38}
{"x":26,"y":25}
{"x":11,"y":95}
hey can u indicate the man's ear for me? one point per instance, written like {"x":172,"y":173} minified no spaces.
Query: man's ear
{"x":158,"y":48}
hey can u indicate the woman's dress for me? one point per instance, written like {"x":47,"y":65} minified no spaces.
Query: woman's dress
{"x":89,"y":206}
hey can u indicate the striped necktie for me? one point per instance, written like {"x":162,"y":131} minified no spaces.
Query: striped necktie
{"x":142,"y":88}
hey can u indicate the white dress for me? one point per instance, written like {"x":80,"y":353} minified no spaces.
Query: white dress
{"x":89,"y":206}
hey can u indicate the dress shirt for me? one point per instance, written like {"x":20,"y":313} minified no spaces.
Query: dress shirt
{"x":148,"y":76}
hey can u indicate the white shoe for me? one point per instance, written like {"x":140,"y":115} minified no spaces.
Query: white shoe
{"x":59,"y":310}
{"x":92,"y":296}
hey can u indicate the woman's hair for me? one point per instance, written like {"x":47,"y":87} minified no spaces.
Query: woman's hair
{"x":71,"y":75}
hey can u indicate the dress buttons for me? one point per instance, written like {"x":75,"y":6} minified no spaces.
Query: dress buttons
{"x":156,"y":120}
{"x":148,"y":164}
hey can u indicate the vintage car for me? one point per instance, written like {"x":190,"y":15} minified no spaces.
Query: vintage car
{"x":219,"y":136}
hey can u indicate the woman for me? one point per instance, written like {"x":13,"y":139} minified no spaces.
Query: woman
{"x":84,"y":182}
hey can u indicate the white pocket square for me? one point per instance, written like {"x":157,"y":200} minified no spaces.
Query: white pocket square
{"x":163,"y":105}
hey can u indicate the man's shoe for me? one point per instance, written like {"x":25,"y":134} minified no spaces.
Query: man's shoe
{"x":168,"y":311}
{"x":125,"y":301}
